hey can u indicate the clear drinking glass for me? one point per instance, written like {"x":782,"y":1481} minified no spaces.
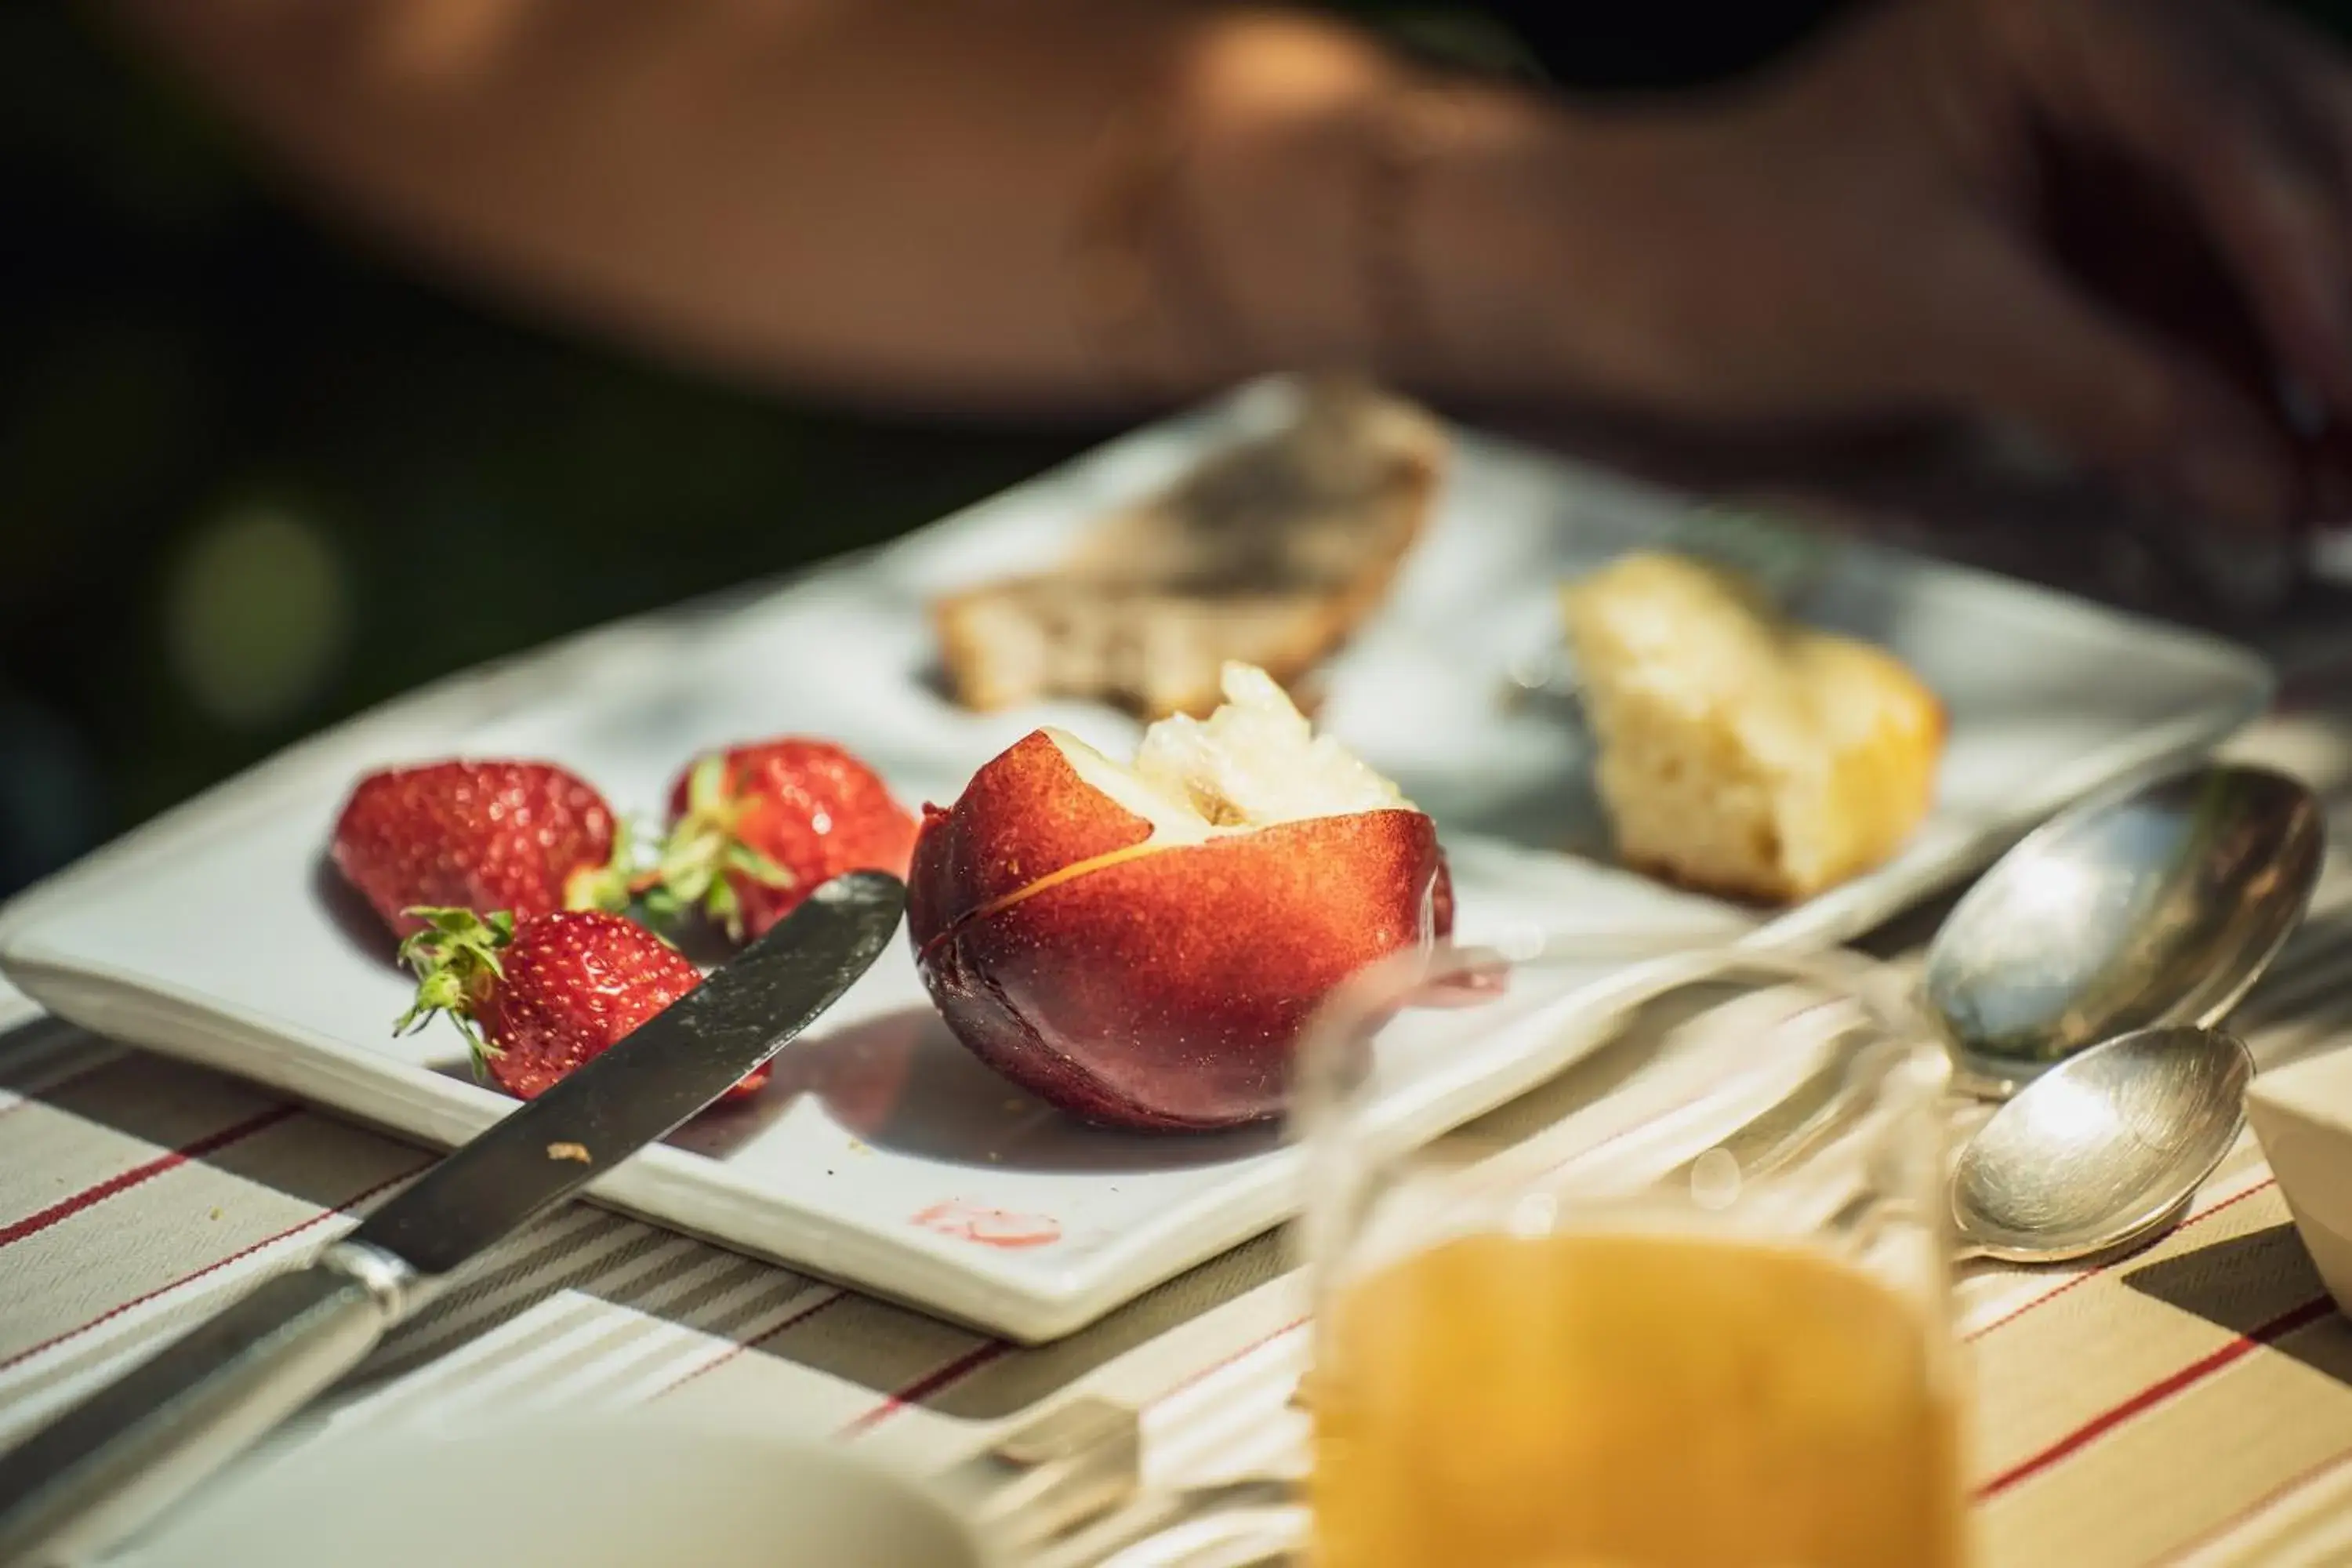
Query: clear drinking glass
{"x":1688,"y":1304}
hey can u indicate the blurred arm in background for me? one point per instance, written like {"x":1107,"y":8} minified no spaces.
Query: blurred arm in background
{"x":2123,"y":222}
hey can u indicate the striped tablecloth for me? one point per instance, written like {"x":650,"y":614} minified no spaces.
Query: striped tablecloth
{"x":2189,"y":1403}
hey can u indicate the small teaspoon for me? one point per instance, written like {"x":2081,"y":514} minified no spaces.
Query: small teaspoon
{"x":2104,"y":1149}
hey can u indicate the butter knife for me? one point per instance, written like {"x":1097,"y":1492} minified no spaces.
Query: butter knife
{"x":110,"y":1465}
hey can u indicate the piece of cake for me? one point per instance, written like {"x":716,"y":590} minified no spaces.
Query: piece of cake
{"x":1740,"y":753}
{"x":1271,"y":554}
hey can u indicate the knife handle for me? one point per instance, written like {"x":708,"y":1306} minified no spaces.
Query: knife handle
{"x":111,"y":1463}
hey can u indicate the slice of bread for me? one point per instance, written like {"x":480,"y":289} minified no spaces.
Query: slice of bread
{"x":1742,"y":755}
{"x":1270,"y":553}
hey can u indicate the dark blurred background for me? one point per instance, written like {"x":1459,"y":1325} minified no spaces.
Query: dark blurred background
{"x":255,"y":478}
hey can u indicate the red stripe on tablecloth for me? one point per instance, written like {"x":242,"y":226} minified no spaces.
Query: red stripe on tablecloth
{"x":762,"y":1337}
{"x":923,"y":1387}
{"x":2277,"y":1494}
{"x":37,"y":1093}
{"x":2156,"y":1393}
{"x":2088,"y":1274}
{"x":212,"y":1267}
{"x":1263,"y":1340}
{"x":33,"y":1225}
{"x":1206,"y":1373}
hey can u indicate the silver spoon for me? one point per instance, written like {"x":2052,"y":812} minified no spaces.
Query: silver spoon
{"x":2159,"y":902}
{"x":2104,"y":1149}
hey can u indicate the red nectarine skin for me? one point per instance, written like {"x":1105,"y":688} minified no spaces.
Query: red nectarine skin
{"x":1160,"y":988}
{"x":1025,"y":815}
{"x":927,"y":878}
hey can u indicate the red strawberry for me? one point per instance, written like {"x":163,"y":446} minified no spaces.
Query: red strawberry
{"x":756,"y":829}
{"x":537,"y":998}
{"x":525,"y":837}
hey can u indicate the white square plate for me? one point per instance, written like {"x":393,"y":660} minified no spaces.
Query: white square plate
{"x":885,"y":1157}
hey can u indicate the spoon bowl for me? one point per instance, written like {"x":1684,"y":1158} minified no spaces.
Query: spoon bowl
{"x":2104,"y":1149}
{"x":2160,"y":903}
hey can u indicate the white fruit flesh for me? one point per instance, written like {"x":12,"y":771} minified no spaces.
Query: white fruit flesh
{"x":1254,"y":763}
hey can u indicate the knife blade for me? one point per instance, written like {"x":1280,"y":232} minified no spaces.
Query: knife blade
{"x":679,"y":1061}
{"x":111,"y":1464}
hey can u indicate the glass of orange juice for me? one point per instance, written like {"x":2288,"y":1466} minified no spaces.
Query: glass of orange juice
{"x":1686,"y":1306}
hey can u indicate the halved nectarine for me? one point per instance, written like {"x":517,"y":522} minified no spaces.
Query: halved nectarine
{"x":1142,"y":945}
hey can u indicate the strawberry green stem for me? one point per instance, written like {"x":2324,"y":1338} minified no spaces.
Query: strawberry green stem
{"x":609,"y":887}
{"x":703,"y":848}
{"x":456,"y":958}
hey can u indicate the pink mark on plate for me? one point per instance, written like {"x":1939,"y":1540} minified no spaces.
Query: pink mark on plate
{"x":990,"y":1227}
